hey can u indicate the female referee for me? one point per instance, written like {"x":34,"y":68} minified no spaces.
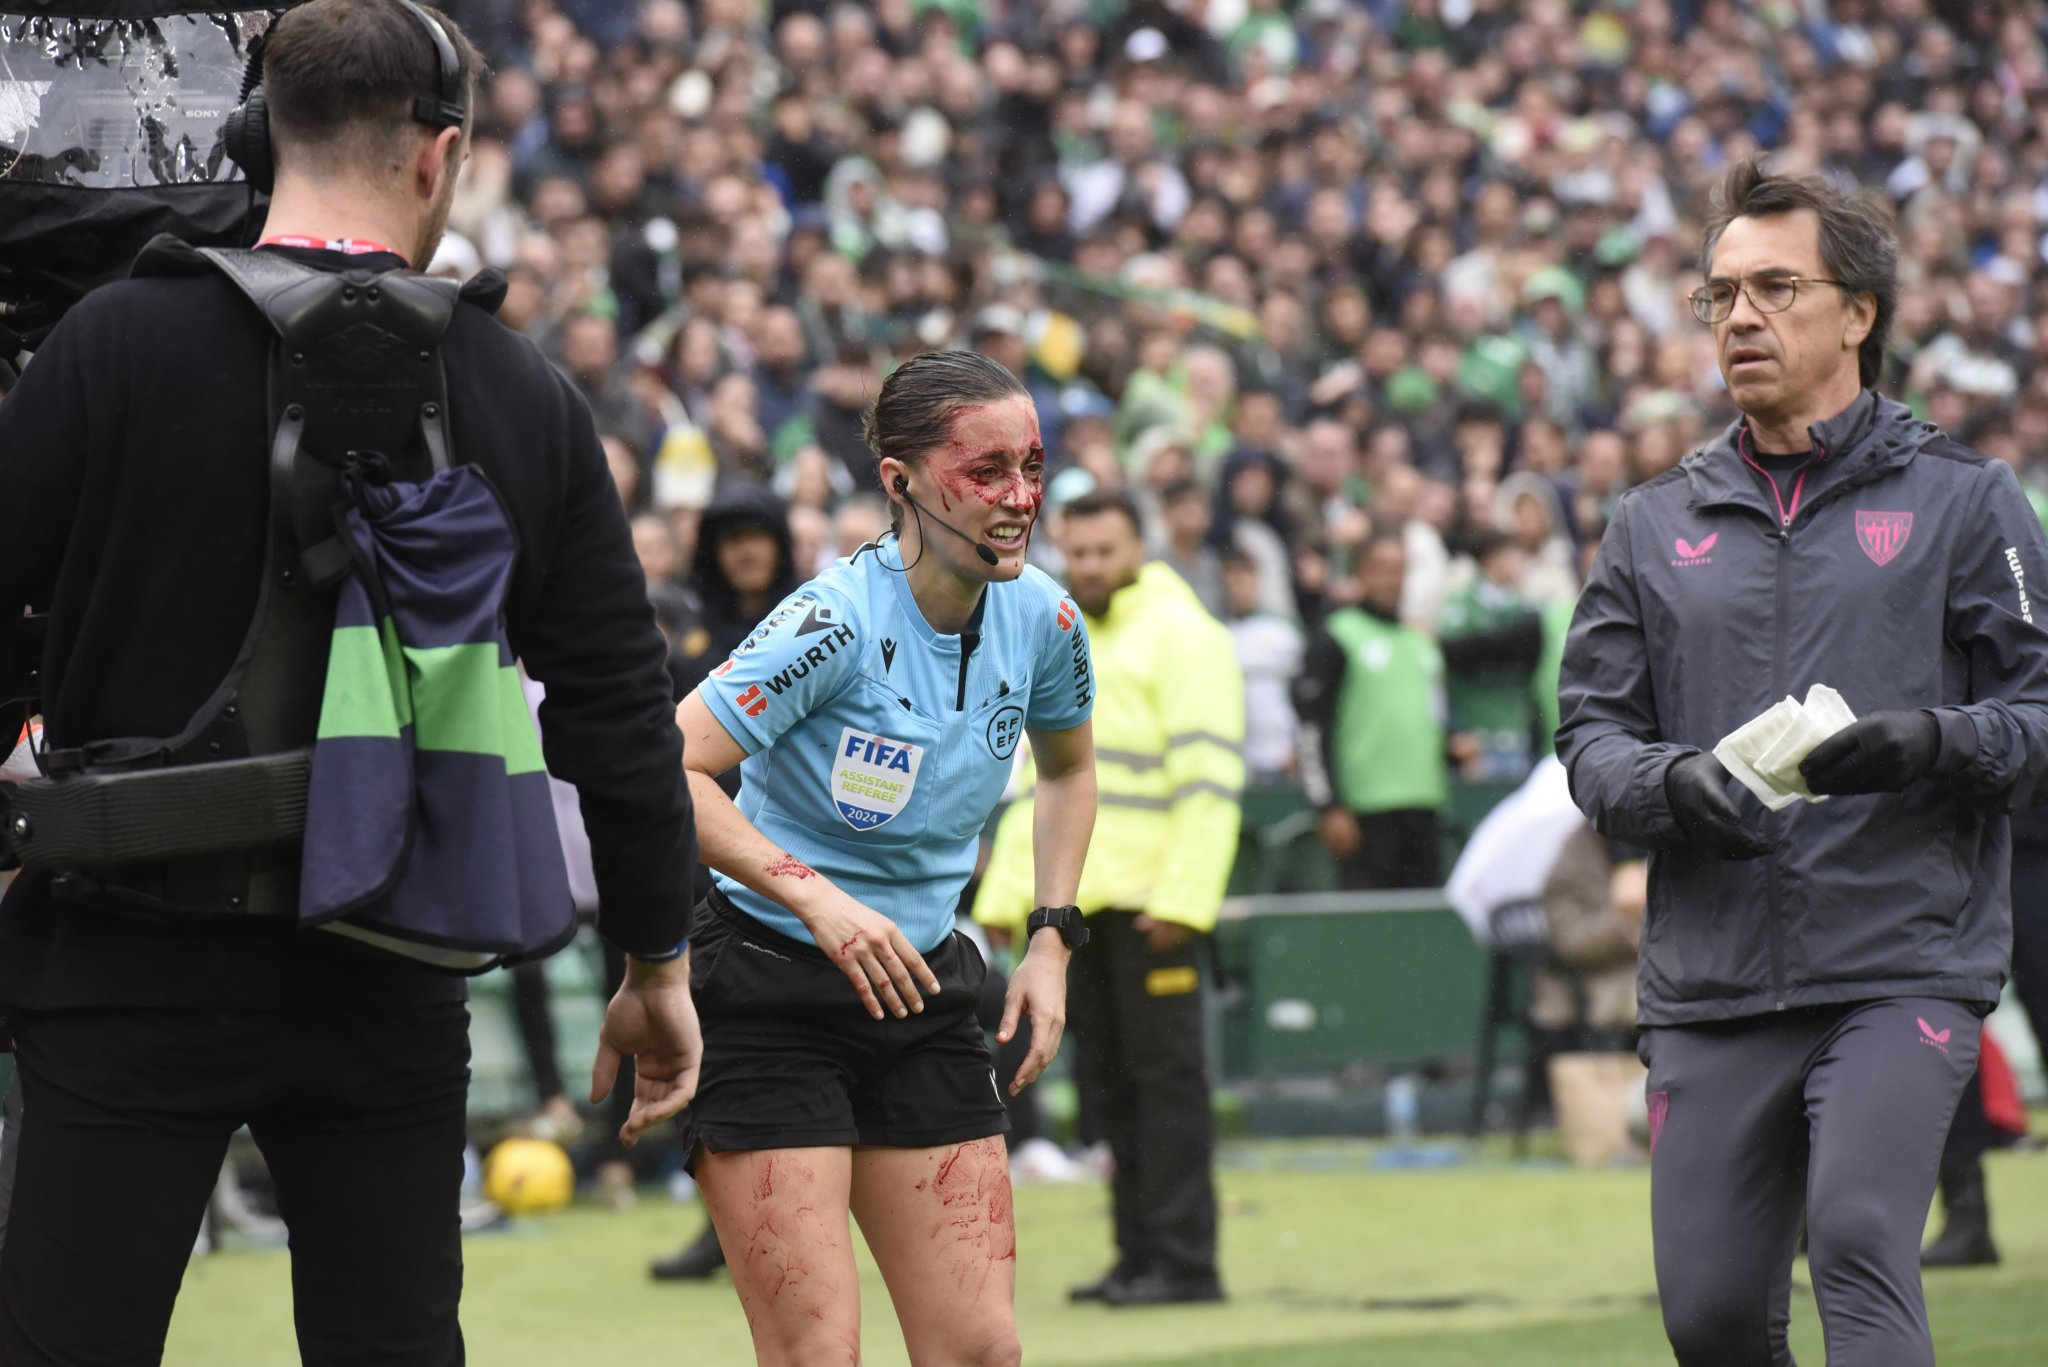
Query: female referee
{"x":874,"y":715}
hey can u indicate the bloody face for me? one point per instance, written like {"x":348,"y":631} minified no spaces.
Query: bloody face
{"x":988,"y":481}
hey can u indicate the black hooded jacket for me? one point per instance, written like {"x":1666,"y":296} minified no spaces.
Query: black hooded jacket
{"x":714,"y":623}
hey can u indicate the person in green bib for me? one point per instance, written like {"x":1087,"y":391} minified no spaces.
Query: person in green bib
{"x":1373,"y":751}
{"x":1491,"y":700}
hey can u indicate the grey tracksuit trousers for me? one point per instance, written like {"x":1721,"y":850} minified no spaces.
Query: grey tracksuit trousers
{"x":1839,"y":1112}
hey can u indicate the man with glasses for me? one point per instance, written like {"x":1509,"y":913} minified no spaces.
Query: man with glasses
{"x":1812,"y":980}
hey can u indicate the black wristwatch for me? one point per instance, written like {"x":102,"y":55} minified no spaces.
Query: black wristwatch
{"x":1068,"y":921}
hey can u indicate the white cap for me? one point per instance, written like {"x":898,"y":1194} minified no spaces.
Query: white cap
{"x":1145,"y":45}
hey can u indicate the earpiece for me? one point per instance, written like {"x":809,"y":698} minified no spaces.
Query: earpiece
{"x":902,"y":485}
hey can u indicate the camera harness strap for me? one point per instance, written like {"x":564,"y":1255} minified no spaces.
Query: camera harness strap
{"x":209,"y":820}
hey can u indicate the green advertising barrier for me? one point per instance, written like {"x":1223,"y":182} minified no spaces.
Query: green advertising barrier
{"x":1324,"y":983}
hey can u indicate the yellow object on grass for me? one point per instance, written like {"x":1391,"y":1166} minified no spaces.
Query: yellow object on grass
{"x":529,"y":1176}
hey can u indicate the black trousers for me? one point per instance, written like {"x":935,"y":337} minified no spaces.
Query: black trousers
{"x":1839,"y":1111}
{"x":125,"y":1121}
{"x":1401,"y":849}
{"x":1136,"y":1021}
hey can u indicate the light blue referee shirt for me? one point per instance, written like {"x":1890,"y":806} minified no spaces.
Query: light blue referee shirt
{"x":876,"y":746}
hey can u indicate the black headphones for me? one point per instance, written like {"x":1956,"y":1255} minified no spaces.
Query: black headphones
{"x":245,"y":135}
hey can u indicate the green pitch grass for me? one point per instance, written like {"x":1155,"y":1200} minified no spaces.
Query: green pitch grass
{"x":1329,"y":1264}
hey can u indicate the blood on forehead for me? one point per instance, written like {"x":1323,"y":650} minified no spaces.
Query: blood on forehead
{"x":992,"y":456}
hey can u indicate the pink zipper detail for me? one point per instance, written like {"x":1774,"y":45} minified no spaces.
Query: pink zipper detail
{"x":1785,"y":516}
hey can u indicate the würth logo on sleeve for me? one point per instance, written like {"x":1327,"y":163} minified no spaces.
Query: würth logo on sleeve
{"x":1883,"y":535}
{"x":1690,"y":554}
{"x":752,"y":702}
{"x":1066,"y":615}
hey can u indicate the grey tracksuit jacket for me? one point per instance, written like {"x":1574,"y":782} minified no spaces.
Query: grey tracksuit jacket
{"x":1902,"y":570}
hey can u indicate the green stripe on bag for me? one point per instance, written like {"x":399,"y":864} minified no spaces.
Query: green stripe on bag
{"x":457,"y":699}
{"x":366,"y":694}
{"x":465,"y":701}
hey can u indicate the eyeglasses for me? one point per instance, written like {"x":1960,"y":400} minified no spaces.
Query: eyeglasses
{"x":1770,"y":294}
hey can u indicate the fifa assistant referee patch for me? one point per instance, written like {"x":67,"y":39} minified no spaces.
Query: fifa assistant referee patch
{"x":873,"y":777}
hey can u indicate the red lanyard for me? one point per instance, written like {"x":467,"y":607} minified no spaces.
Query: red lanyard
{"x":353,"y":246}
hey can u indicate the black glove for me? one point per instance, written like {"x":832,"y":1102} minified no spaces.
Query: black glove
{"x":1697,"y":789}
{"x":1882,"y":753}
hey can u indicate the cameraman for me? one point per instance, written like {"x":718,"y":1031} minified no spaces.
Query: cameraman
{"x":134,"y":455}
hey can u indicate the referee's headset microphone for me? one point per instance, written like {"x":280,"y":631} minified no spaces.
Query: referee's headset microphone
{"x":988,"y":557}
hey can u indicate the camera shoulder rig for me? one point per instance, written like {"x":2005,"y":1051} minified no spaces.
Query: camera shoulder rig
{"x":210,"y":820}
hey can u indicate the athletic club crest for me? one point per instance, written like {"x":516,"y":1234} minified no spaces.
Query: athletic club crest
{"x":1883,"y":535}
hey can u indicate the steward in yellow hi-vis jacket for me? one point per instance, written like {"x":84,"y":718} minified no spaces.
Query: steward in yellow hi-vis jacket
{"x":1169,"y":723}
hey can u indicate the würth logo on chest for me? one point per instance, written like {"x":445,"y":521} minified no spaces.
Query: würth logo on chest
{"x":1690,"y":554}
{"x":1883,"y":535}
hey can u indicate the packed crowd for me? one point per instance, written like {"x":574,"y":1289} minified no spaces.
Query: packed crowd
{"x":1368,"y":302}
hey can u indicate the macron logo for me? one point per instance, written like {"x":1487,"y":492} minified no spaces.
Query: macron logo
{"x":1689,"y":554}
{"x":1931,"y":1037}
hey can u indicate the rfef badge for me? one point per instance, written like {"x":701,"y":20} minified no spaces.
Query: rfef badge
{"x":873,"y":777}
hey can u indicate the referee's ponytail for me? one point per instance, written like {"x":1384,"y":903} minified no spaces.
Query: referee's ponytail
{"x":914,"y":412}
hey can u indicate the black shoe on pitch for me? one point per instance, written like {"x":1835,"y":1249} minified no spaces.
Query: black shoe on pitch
{"x":1165,"y":1288}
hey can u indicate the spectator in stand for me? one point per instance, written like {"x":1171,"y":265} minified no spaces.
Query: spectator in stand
{"x":779,"y":372}
{"x":1183,"y":543}
{"x":1251,"y":515}
{"x":1527,"y":510}
{"x":590,"y":357}
{"x":1373,"y":747}
{"x":655,"y":543}
{"x":1490,"y":702}
{"x":1269,"y":652}
{"x":744,"y":565}
{"x":860,"y":521}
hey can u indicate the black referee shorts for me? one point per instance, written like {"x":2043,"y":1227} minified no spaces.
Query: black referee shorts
{"x":792,"y":1060}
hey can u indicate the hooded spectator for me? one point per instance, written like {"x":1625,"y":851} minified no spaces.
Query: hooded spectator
{"x":743,"y":567}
